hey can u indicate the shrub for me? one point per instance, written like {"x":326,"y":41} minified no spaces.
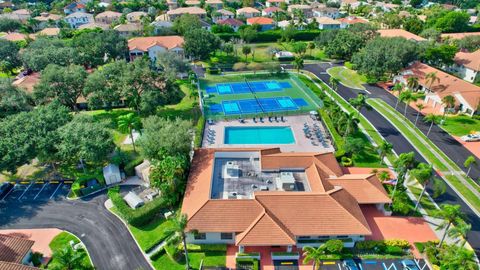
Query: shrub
{"x":333,"y":246}
{"x":273,"y":36}
{"x":157,"y":254}
{"x":211,"y":70}
{"x":420,"y":246}
{"x":135,"y":217}
{"x":209,"y":247}
{"x":130,"y":166}
{"x":199,"y":131}
{"x":247,"y":263}
{"x":370,"y":245}
{"x":394,"y":250}
{"x":173,"y":252}
{"x":397,"y":243}
{"x":346,"y":161}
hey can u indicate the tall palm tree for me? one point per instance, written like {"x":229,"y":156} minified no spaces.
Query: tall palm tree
{"x":412,"y":83}
{"x":423,"y":173}
{"x":460,"y":258}
{"x":127,"y":123}
{"x":448,"y":103}
{"x":359,"y":102}
{"x":351,"y":121}
{"x":383,"y":176}
{"x":469,"y":162}
{"x":334,"y":83}
{"x":298,"y":63}
{"x":384,"y":149}
{"x":398,"y":87}
{"x":460,"y":230}
{"x":178,"y":228}
{"x":67,"y":259}
{"x":407,"y":97}
{"x":314,"y":255}
{"x":420,"y":107}
{"x":311,"y":46}
{"x":432,"y":119}
{"x":450,"y":214}
{"x":431,"y":78}
{"x":404,"y":163}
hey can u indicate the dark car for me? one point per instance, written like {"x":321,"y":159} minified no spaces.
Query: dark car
{"x":4,"y":189}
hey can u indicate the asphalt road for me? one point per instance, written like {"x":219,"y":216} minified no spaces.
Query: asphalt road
{"x":401,"y":145}
{"x":107,"y":239}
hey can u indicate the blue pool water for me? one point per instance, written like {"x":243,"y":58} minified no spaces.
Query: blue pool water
{"x":259,"y":135}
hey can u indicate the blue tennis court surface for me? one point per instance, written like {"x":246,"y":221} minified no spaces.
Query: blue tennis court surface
{"x":300,"y":102}
{"x":260,"y":105}
{"x":247,"y":87}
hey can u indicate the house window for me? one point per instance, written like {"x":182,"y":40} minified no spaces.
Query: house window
{"x":342,"y":236}
{"x":226,"y":236}
{"x":200,"y":236}
{"x":304,"y":237}
{"x":323,"y":237}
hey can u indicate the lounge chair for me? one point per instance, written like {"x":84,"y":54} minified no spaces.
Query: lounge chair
{"x":270,"y":119}
{"x":261,"y":119}
{"x":276,"y":119}
{"x":254,"y":120}
{"x":281,"y":118}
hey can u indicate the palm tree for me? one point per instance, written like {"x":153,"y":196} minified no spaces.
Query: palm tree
{"x":431,"y":78}
{"x":412,"y":83}
{"x":407,"y":97}
{"x":423,"y":173}
{"x":351,"y":120}
{"x":359,"y":102}
{"x":448,"y":103}
{"x":450,"y":214}
{"x":311,"y":46}
{"x":420,"y":107}
{"x":298,"y":63}
{"x":402,"y":165}
{"x":178,"y":228}
{"x":398,"y":87}
{"x":460,"y":230}
{"x":383,"y":176}
{"x":460,"y":258}
{"x":334,"y":83}
{"x":432,"y":119}
{"x":384,"y":149}
{"x":469,"y":162}
{"x":127,"y":123}
{"x":67,"y":259}
{"x":314,"y":255}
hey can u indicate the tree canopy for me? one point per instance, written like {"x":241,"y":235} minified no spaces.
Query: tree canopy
{"x":12,"y":99}
{"x":200,"y":43}
{"x":9,"y":58}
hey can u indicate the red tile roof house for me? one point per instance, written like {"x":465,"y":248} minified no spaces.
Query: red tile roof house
{"x":15,"y":250}
{"x":270,"y":11}
{"x":467,"y":66}
{"x":263,"y":197}
{"x":399,"y":33}
{"x":152,"y":46}
{"x":234,"y":23}
{"x":264,"y":22}
{"x":248,"y":12}
{"x":222,"y":14}
{"x":467,"y":95}
{"x":74,"y":7}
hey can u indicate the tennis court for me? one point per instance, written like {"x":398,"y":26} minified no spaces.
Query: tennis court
{"x":254,"y":97}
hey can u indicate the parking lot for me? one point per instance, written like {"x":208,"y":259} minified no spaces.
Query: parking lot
{"x":37,"y":191}
{"x":372,"y":265}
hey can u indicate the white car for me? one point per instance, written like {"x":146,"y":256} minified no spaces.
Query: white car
{"x":471,"y":137}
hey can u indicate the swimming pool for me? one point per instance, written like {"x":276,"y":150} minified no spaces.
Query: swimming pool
{"x":259,"y":135}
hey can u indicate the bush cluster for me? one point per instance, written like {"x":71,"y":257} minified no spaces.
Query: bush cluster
{"x":199,"y":131}
{"x":135,"y":217}
{"x":392,"y":247}
{"x":130,"y":166}
{"x":273,"y":36}
{"x":247,"y":263}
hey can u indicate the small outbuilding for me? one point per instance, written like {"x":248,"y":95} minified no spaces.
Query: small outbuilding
{"x":133,"y":200}
{"x":112,"y":175}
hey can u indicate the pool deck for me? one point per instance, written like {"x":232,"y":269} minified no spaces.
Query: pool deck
{"x":214,"y":135}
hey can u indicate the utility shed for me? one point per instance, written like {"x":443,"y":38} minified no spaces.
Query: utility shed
{"x":133,"y":200}
{"x":111,"y":173}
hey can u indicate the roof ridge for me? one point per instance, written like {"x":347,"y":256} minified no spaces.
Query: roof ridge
{"x":343,"y":207}
{"x":251,"y":226}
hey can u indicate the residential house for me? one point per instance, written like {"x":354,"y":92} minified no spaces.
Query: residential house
{"x":387,"y":7}
{"x":286,"y":23}
{"x":467,"y":95}
{"x":172,"y":4}
{"x":222,"y":14}
{"x":266,"y":198}
{"x":74,"y":7}
{"x":78,"y":18}
{"x":136,"y":16}
{"x":351,"y":20}
{"x":193,"y":3}
{"x":16,"y":266}
{"x":21,"y":15}
{"x":15,"y":250}
{"x":45,"y":19}
{"x":264,"y":22}
{"x":49,"y":32}
{"x":234,"y":23}
{"x":248,"y":12}
{"x":215,"y":4}
{"x":161,"y":26}
{"x":467,"y":66}
{"x":329,"y":12}
{"x":15,"y":37}
{"x":453,"y":36}
{"x":399,"y":33}
{"x":327,"y":23}
{"x":108,"y":17}
{"x":152,"y":46}
{"x":270,"y":11}
{"x":274,"y":3}
{"x":128,"y":29}
{"x":352,"y":4}
{"x":94,"y":25}
{"x":199,"y":12}
{"x":306,"y":9}
{"x":6,"y":4}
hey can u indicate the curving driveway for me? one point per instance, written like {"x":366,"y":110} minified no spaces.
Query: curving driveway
{"x":107,"y":239}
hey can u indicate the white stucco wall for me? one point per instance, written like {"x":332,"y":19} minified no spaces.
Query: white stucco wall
{"x":211,"y":238}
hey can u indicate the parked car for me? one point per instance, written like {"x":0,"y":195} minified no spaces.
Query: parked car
{"x":350,"y":264}
{"x":471,"y":137}
{"x":4,"y":189}
{"x":409,"y":265}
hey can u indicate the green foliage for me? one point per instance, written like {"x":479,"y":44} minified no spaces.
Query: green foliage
{"x":9,"y":58}
{"x":172,"y":64}
{"x":391,"y":247}
{"x":9,"y":25}
{"x":200,"y":43}
{"x":130,"y":166}
{"x":247,"y":263}
{"x":394,"y":250}
{"x":61,"y":242}
{"x":333,"y":246}
{"x":413,"y":24}
{"x":44,"y":51}
{"x":185,"y":23}
{"x":271,"y":35}
{"x":12,"y":99}
{"x":451,"y":22}
{"x":137,"y":217}
{"x":469,"y":43}
{"x":346,"y":161}
{"x":169,"y":175}
{"x":199,"y":128}
{"x":440,"y":55}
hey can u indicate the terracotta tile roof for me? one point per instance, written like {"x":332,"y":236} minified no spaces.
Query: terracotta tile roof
{"x":326,"y":20}
{"x":317,"y":179}
{"x":16,"y":266}
{"x":53,"y":31}
{"x":230,"y":21}
{"x":187,"y":10}
{"x":271,"y":9}
{"x":352,"y":20}
{"x":366,"y":189}
{"x":213,"y":2}
{"x":459,"y":35}
{"x":144,"y":43}
{"x":128,"y":27}
{"x":14,"y":249}
{"x":109,"y":14}
{"x":15,"y":36}
{"x":265,"y":230}
{"x":44,"y":17}
{"x":276,"y":1}
{"x":225,"y":12}
{"x":446,"y":85}
{"x":260,"y":21}
{"x":326,"y":161}
{"x":399,"y":33}
{"x":247,"y":10}
{"x":469,"y":60}
{"x":94,"y":25}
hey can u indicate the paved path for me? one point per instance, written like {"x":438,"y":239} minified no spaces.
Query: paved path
{"x":401,"y":145}
{"x":107,"y":239}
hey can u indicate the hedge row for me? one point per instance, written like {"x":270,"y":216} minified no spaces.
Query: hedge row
{"x":382,"y":244}
{"x":130,"y":166}
{"x":135,"y":217}
{"x":199,"y":131}
{"x":274,"y":35}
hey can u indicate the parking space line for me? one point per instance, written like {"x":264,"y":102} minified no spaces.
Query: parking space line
{"x":25,"y":191}
{"x":392,"y":266}
{"x":8,"y":193}
{"x":44,"y":185}
{"x":59,"y":185}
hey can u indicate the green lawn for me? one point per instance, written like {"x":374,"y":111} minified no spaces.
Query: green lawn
{"x":460,"y":125}
{"x":61,"y":241}
{"x":187,"y":108}
{"x":426,"y":203}
{"x":348,"y":77}
{"x":210,"y":258}
{"x":298,"y":90}
{"x":413,"y":134}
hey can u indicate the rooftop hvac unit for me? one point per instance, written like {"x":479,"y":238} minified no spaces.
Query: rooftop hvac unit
{"x":287,"y":181}
{"x":231,"y":170}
